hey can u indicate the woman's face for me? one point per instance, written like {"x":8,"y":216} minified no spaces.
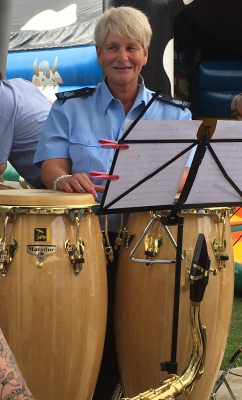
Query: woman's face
{"x":122,"y":60}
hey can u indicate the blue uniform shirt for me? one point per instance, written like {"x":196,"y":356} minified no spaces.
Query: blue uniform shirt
{"x":23,"y":111}
{"x":73,"y":128}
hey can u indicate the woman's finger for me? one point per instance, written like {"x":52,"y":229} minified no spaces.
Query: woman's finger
{"x":99,"y":188}
{"x":84,"y":183}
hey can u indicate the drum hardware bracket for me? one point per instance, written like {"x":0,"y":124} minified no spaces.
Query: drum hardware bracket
{"x":108,"y":248}
{"x":221,"y":256}
{"x":219,"y":248}
{"x":7,"y":251}
{"x":106,"y":242}
{"x":109,"y":253}
{"x":188,"y":257}
{"x":123,"y":236}
{"x":152,"y":246}
{"x":128,"y":237}
{"x":75,"y":252}
{"x":118,"y":393}
{"x":119,"y":239}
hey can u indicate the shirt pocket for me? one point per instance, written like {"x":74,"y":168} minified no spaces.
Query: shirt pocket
{"x":86,"y":154}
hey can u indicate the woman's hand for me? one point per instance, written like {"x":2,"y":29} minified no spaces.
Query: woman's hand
{"x":78,"y":183}
{"x":53,"y":171}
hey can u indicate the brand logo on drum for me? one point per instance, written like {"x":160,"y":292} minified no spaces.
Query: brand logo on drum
{"x":41,"y":251}
{"x":41,"y":234}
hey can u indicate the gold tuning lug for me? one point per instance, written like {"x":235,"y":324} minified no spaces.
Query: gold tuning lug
{"x":188,"y":258}
{"x":128,"y":237}
{"x":123,"y":237}
{"x":121,"y":232}
{"x":219,"y":248}
{"x":75,"y":252}
{"x":7,"y":251}
{"x":119,"y":239}
{"x":220,"y":253}
{"x":152,"y":245}
{"x":109,"y":253}
{"x":106,"y":242}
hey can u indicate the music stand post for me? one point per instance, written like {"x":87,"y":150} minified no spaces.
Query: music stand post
{"x":172,"y":365}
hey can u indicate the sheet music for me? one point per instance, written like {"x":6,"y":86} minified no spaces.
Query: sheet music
{"x":142,"y":159}
{"x":210,"y":185}
{"x":169,"y":129}
{"x":228,"y":130}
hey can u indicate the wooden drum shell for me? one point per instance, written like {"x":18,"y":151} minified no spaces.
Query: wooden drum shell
{"x":53,"y":320}
{"x":144,"y":307}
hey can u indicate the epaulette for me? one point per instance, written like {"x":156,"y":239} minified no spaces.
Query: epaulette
{"x":74,"y":93}
{"x":171,"y":100}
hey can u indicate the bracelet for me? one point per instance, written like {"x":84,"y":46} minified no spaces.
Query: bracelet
{"x":58,"y":179}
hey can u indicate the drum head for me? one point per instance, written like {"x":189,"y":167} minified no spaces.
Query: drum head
{"x":45,"y":197}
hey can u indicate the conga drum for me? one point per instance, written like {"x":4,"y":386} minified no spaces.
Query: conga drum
{"x":53,"y":290}
{"x":144,"y":303}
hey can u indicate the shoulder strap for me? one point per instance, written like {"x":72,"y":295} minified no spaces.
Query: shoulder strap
{"x":171,"y":100}
{"x":87,"y":91}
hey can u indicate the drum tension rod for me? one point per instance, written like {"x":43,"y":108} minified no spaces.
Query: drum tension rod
{"x":119,"y":238}
{"x":106,"y":242}
{"x":219,"y":248}
{"x":7,"y":251}
{"x":75,"y":252}
{"x":123,"y":236}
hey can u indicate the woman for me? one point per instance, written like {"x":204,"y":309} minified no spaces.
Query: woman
{"x":69,"y":149}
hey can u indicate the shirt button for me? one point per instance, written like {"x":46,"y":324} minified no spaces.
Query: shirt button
{"x":88,"y":142}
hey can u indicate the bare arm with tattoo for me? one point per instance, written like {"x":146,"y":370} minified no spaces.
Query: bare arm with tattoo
{"x":12,"y":383}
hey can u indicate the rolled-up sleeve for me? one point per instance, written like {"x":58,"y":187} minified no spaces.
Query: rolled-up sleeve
{"x":54,"y":139}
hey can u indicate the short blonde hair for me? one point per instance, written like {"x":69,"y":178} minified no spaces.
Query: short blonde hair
{"x":123,"y":22}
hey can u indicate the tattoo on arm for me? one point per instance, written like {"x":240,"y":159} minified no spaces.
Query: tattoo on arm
{"x":12,"y":383}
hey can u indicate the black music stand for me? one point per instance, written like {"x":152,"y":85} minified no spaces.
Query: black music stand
{"x":222,"y":379}
{"x":147,"y":184}
{"x":213,"y":180}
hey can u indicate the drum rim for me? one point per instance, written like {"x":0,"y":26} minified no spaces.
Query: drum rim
{"x":45,"y":198}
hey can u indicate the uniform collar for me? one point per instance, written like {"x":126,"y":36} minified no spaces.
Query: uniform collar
{"x":107,"y":97}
